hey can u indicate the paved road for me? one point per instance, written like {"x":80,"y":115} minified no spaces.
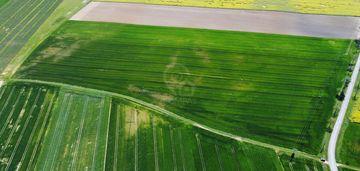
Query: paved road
{"x":340,"y":119}
{"x":222,"y":19}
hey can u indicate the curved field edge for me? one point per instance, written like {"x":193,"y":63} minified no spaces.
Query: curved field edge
{"x":328,"y":7}
{"x":211,"y":76}
{"x":111,"y":133}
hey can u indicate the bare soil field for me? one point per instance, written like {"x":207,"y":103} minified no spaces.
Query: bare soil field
{"x":222,"y":19}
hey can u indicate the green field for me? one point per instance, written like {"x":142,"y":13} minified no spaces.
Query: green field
{"x":3,"y":2}
{"x":57,"y":128}
{"x":350,"y":148}
{"x":272,"y":88}
{"x":19,"y":20}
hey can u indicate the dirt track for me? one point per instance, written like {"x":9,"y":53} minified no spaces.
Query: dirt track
{"x":222,"y":19}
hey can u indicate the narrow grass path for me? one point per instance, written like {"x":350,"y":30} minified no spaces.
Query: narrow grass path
{"x":173,"y":115}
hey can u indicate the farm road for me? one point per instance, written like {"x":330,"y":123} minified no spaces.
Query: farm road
{"x":222,"y":19}
{"x":340,"y":119}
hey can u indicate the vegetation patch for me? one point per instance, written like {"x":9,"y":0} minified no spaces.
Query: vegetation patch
{"x":274,"y":88}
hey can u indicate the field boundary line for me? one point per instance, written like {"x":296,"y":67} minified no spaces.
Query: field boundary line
{"x":165,"y":112}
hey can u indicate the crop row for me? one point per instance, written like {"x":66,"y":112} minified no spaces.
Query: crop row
{"x":19,"y":20}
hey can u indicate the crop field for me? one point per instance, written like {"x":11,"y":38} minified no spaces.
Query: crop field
{"x":140,"y":139}
{"x":24,"y":113}
{"x":76,"y":135}
{"x":334,"y":7}
{"x":19,"y":20}
{"x":274,"y":88}
{"x":51,"y":128}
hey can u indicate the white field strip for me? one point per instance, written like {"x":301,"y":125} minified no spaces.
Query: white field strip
{"x":222,"y":19}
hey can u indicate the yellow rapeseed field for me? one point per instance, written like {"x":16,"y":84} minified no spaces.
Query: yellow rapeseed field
{"x":333,"y":7}
{"x":355,"y":114}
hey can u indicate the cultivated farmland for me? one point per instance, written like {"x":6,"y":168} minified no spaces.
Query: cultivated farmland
{"x":274,"y":88}
{"x":19,"y":19}
{"x":25,"y":112}
{"x":57,"y":128}
{"x":301,"y":164}
{"x":333,"y":7}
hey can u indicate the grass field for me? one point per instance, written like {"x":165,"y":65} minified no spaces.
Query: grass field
{"x":350,"y":148}
{"x":19,"y":20}
{"x":232,"y":81}
{"x":334,"y":7}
